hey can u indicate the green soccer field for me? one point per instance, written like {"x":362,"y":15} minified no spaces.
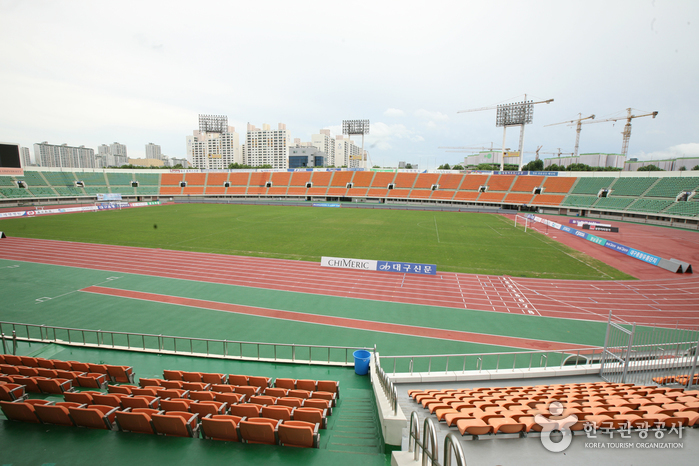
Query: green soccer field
{"x":456,"y":242}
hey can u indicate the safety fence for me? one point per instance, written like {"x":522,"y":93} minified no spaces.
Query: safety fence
{"x":645,"y":355}
{"x":428,"y":445}
{"x":11,"y":332}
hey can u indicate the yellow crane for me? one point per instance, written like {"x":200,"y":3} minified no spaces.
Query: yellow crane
{"x":578,"y":122}
{"x":627,"y":128}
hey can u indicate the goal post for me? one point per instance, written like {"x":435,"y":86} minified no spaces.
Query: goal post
{"x":524,"y":220}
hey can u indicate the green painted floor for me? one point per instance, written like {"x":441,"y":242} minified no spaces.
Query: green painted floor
{"x":352,"y":435}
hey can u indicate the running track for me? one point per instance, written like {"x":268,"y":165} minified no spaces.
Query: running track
{"x":663,"y":302}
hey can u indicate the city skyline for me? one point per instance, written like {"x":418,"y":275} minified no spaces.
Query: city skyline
{"x":409,"y":71}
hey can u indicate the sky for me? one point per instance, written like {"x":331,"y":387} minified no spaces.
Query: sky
{"x":91,"y":73}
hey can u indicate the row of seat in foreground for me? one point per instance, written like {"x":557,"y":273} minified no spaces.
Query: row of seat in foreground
{"x":170,"y":423}
{"x":520,"y":410}
{"x":209,"y":402}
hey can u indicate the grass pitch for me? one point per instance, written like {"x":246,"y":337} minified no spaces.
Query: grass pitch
{"x":456,"y":242}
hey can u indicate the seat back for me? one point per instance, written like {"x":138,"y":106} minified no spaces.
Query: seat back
{"x":191,"y":376}
{"x":246,"y":390}
{"x":306,"y":384}
{"x":29,"y":361}
{"x":195,"y":386}
{"x":48,"y":373}
{"x":29,"y":371}
{"x":84,"y":398}
{"x":282,"y":413}
{"x":328,"y":386}
{"x":208,"y":407}
{"x":45,"y":363}
{"x":92,"y":417}
{"x":123,"y":389}
{"x":300,"y":393}
{"x":11,"y":392}
{"x":259,"y":430}
{"x":234,"y":379}
{"x":221,"y":427}
{"x":172,"y":384}
{"x":312,"y":415}
{"x":276,"y":392}
{"x":290,"y":401}
{"x":289,"y":384}
{"x":230,"y":398}
{"x":149,"y":391}
{"x":98,"y":368}
{"x":108,"y":399}
{"x":62,"y":365}
{"x":222,"y":388}
{"x":175,"y":404}
{"x":145,"y":382}
{"x":21,"y":411}
{"x":13,"y":360}
{"x":80,"y":366}
{"x":263,"y":400}
{"x":30,"y":383}
{"x":136,"y":420}
{"x":246,"y":410}
{"x":140,"y":401}
{"x":202,"y":395}
{"x":298,"y":434}
{"x":56,"y":414}
{"x":173,"y":393}
{"x":256,"y":381}
{"x":213,"y":378}
{"x":92,"y":380}
{"x":175,"y":423}
{"x":56,"y":386}
{"x":122,"y":374}
{"x":172,"y":375}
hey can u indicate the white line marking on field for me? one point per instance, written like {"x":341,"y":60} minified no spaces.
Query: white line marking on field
{"x":435,"y":228}
{"x":46,"y":298}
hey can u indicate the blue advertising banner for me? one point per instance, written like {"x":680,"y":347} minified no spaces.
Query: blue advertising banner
{"x":326,"y":204}
{"x":644,"y":256}
{"x":406,"y":267}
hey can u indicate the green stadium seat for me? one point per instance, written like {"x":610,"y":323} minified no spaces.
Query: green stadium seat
{"x":588,"y":185}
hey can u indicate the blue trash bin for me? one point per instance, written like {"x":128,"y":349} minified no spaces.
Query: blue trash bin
{"x":361,"y":362}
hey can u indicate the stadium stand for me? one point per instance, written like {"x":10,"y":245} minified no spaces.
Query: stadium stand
{"x":450,"y":181}
{"x":147,"y":179}
{"x":548,"y":199}
{"x":591,"y":185}
{"x":60,"y":178}
{"x":92,"y":178}
{"x":44,"y":191}
{"x":614,"y":203}
{"x":491,"y":197}
{"x":383,"y":179}
{"x":672,"y":186}
{"x":426,"y":180}
{"x":649,"y":205}
{"x":632,"y":186}
{"x":405,"y":180}
{"x":33,"y":178}
{"x":500,"y":182}
{"x":527,"y":184}
{"x":685,"y":209}
{"x":518,"y":198}
{"x":579,"y":201}
{"x":362,"y":179}
{"x":15,"y":192}
{"x":473,"y":182}
{"x":556,"y":184}
{"x":120,"y":179}
{"x":7,"y":181}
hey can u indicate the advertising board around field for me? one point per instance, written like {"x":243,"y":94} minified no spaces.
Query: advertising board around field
{"x":327,"y":204}
{"x":378,"y":265}
{"x":600,"y":227}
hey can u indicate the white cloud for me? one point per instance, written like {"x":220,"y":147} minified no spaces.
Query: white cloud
{"x":384,"y":136}
{"x":680,"y":150}
{"x":394,"y":112}
{"x":430,"y":115}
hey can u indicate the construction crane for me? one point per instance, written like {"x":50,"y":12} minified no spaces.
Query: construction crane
{"x":627,"y":128}
{"x":578,"y":122}
{"x":514,"y":114}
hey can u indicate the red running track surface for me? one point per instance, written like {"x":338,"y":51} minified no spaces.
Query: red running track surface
{"x":661,"y":301}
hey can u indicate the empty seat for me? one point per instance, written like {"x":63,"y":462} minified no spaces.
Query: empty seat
{"x":122,"y":374}
{"x":45,"y":363}
{"x":213,"y":378}
{"x":11,"y":392}
{"x":259,"y":430}
{"x":70,"y":375}
{"x":191,"y":376}
{"x":276,"y":392}
{"x":245,"y":410}
{"x":94,"y":416}
{"x":99,"y":369}
{"x":175,"y":404}
{"x":62,"y":365}
{"x":56,"y":386}
{"x":29,"y":361}
{"x":289,"y":384}
{"x":262,"y":382}
{"x":30,"y":383}
{"x":80,"y":366}
{"x":312,"y":415}
{"x":195,"y":386}
{"x":176,"y":384}
{"x":148,"y":382}
{"x":92,"y":380}
{"x":222,"y":388}
{"x":263,"y":400}
{"x":298,"y":434}
{"x":136,"y":420}
{"x":290,"y":401}
{"x":173,"y":393}
{"x":305,"y":384}
{"x":48,"y":373}
{"x":125,"y":389}
{"x":57,"y":413}
{"x":329,"y":386}
{"x":283,"y":413}
{"x":230,"y":398}
{"x":202,"y":395}
{"x":108,"y":399}
{"x":28,"y":371}
{"x":140,"y":401}
{"x":300,"y":393}
{"x":22,"y":410}
{"x":176,"y":424}
{"x":203,"y":408}
{"x":149,"y":391}
{"x":13,"y":360}
{"x":84,"y":398}
{"x":221,"y":427}
{"x":246,"y":390}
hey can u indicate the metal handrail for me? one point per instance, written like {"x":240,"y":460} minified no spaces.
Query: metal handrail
{"x":429,"y":433}
{"x":451,"y":442}
{"x":387,"y":385}
{"x":587,"y":354}
{"x":138,"y":342}
{"x":414,"y":435}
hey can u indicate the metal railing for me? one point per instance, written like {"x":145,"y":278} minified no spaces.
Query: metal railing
{"x":430,"y":453}
{"x":388,"y":388}
{"x":518,"y":360}
{"x":176,"y":345}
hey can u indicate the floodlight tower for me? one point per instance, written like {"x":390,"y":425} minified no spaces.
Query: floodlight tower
{"x":212,"y":124}
{"x":514,"y":114}
{"x":350,"y":127}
